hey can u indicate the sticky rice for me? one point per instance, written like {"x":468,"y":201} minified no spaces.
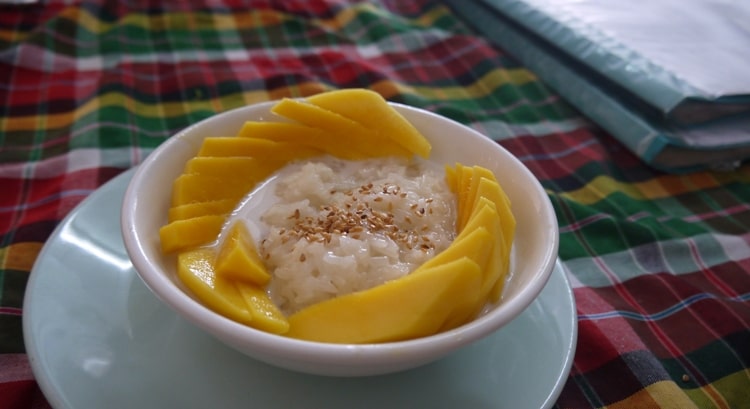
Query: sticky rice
{"x":339,"y":226}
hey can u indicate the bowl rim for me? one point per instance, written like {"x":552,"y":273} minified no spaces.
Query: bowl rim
{"x":291,"y":349}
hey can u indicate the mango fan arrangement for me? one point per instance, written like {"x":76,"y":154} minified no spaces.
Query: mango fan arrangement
{"x":447,"y":291}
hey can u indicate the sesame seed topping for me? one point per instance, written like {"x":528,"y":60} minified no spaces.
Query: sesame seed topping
{"x":356,"y":218}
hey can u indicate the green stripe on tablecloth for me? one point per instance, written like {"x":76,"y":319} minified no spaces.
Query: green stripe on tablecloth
{"x":675,"y":256}
{"x":721,"y":369}
{"x":169,"y":31}
{"x":150,"y":122}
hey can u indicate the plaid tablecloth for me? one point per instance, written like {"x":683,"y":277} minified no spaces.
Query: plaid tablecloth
{"x":660,"y":264}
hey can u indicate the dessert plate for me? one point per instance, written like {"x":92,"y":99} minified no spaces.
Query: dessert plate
{"x":97,"y":337}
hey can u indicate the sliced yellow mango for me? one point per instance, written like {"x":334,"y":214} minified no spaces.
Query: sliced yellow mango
{"x":239,"y":260}
{"x":184,"y":234}
{"x":247,"y":304}
{"x":492,"y":191}
{"x":255,"y":147}
{"x":484,"y":172}
{"x":451,"y":179}
{"x":265,"y":315}
{"x":190,"y":210}
{"x":305,"y":136}
{"x":464,"y":175}
{"x":342,"y":127}
{"x":195,"y":269}
{"x":464,"y":302}
{"x":410,"y":307}
{"x":477,"y":173}
{"x":507,"y":225}
{"x":475,"y":245}
{"x":191,"y":188}
{"x":499,"y":258}
{"x":475,"y":188}
{"x":371,"y":110}
{"x":251,"y":168}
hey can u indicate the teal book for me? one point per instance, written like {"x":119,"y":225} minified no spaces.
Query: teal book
{"x":672,"y":85}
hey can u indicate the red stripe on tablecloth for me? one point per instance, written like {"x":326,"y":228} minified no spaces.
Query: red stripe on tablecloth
{"x":597,"y":336}
{"x":343,"y":65}
{"x":22,"y":394}
{"x":663,"y":315}
{"x":550,"y":158}
{"x":11,"y":311}
{"x":37,"y":200}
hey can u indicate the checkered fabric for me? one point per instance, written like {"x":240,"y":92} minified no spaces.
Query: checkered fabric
{"x":660,"y":264}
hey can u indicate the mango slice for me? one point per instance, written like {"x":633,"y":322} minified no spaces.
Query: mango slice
{"x":239,"y":260}
{"x":343,"y":128}
{"x":465,"y":200}
{"x":475,"y":245}
{"x":372,"y":111}
{"x":492,"y":191}
{"x":413,"y":306}
{"x":247,"y":304}
{"x":190,"y":210}
{"x":265,"y":315}
{"x":498,"y":260}
{"x":189,"y":233}
{"x":256,"y":148}
{"x":451,"y":177}
{"x":195,"y":268}
{"x":252,"y":168}
{"x":477,"y":174}
{"x":305,"y":136}
{"x":191,"y":188}
{"x":477,"y":187}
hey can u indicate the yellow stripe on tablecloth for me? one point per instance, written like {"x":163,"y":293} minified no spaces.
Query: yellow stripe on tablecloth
{"x":656,"y":188}
{"x":346,"y":15}
{"x":252,"y":19}
{"x":20,"y":256}
{"x":482,"y":87}
{"x":428,"y":19}
{"x":733,"y":388}
{"x":170,"y":21}
{"x":173,"y":21}
{"x":663,"y":395}
{"x":115,"y":99}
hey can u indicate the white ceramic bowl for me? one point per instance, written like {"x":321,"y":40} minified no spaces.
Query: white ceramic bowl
{"x":535,"y":249}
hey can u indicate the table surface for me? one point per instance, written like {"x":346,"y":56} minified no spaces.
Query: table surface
{"x":659,"y":263}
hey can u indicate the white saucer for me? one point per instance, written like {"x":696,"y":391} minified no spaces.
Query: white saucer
{"x":97,"y":337}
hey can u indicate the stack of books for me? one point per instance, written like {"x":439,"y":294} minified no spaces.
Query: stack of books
{"x":668,"y":78}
